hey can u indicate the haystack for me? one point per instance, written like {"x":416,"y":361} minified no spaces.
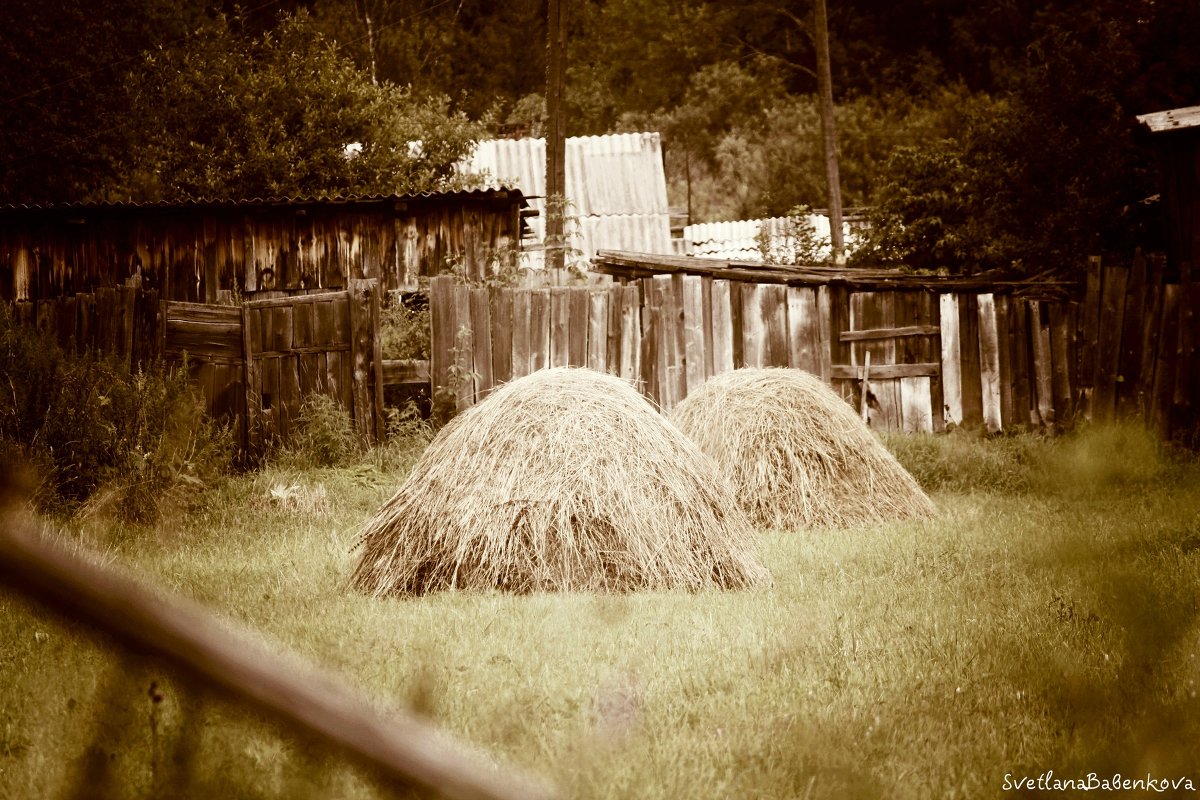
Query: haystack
{"x":796,"y":453}
{"x":566,"y":479}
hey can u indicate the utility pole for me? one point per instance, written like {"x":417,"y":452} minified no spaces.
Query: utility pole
{"x":556,"y":134}
{"x":828,"y":128}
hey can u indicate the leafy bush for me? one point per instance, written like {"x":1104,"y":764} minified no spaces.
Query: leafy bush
{"x":325,"y":435}
{"x":404,"y":331}
{"x":100,"y":435}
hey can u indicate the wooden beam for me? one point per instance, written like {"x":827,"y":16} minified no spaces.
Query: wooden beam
{"x":889,"y":333}
{"x":880,"y":372}
{"x":405,"y":371}
{"x":193,"y":640}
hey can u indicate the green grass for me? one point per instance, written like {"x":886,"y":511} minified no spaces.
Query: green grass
{"x":1047,"y":619}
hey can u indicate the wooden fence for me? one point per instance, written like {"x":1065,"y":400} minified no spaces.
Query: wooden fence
{"x":253,"y":363}
{"x":928,"y":357}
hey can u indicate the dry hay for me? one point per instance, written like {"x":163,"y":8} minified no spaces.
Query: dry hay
{"x":797,"y":454}
{"x":566,"y":479}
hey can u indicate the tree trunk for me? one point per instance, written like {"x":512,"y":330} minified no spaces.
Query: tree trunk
{"x":828,"y":129}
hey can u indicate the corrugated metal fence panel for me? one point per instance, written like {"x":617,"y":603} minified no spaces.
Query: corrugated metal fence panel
{"x":739,"y":240}
{"x":616,"y":188}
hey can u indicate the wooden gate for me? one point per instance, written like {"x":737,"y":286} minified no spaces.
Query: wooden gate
{"x":256,"y":363}
{"x":891,"y":350}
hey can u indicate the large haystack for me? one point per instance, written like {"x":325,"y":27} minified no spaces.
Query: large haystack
{"x":797,"y":454}
{"x":563,"y":480}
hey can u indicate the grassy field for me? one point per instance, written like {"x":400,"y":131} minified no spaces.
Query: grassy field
{"x":1045,"y":620}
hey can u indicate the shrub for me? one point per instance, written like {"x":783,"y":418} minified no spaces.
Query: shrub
{"x":99,"y":435}
{"x":325,"y":435}
{"x":404,"y":331}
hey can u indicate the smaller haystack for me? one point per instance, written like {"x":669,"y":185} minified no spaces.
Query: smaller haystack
{"x":566,"y":479}
{"x":796,"y":453}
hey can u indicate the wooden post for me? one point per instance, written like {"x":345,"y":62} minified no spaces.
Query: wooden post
{"x":556,"y":147}
{"x":989,"y":363}
{"x":253,"y":386}
{"x":362,"y":349}
{"x":951,"y":360}
{"x":866,"y":389}
{"x":828,"y":128}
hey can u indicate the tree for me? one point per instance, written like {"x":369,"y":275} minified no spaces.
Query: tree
{"x":285,"y":114}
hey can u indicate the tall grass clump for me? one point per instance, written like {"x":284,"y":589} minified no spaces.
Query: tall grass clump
{"x":100,"y":437}
{"x":324,"y":435}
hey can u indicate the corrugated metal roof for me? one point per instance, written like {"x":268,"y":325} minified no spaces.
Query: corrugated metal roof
{"x":616,"y":187}
{"x":739,"y":240}
{"x":498,"y":190}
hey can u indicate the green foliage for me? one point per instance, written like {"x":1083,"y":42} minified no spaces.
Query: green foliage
{"x":273,"y":117}
{"x":404,"y":331}
{"x":324,"y":436}
{"x":102,"y":438}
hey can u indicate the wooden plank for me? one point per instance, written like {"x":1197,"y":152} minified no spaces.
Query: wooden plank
{"x":1185,"y":358}
{"x":631,"y":333}
{"x":706,"y":301}
{"x":289,"y":395}
{"x":989,"y":363}
{"x":291,"y":301}
{"x":722,"y":328}
{"x":560,"y":327}
{"x":539,"y":329}
{"x":1164,"y":369}
{"x":803,"y":334}
{"x":615,"y":302}
{"x":775,"y":328}
{"x":597,"y":330}
{"x":577,"y":346}
{"x":825,"y":333}
{"x":1022,"y":355}
{"x":1091,"y":333}
{"x":464,"y":349}
{"x":443,"y":327}
{"x":668,"y":355}
{"x":1043,"y":370}
{"x":677,"y":371}
{"x":361,"y":356}
{"x":889,"y":333}
{"x":1008,"y":415}
{"x":501,"y":301}
{"x":252,"y":383}
{"x":885,"y":372}
{"x":402,"y":371}
{"x":754,"y":344}
{"x":481,"y":342}
{"x":695,"y":355}
{"x":270,"y":400}
{"x":951,"y":354}
{"x":215,"y":657}
{"x":1061,"y":359}
{"x":1108,"y":343}
{"x":1150,"y":341}
{"x":1130,"y":361}
{"x":522,"y":303}
{"x":916,"y":405}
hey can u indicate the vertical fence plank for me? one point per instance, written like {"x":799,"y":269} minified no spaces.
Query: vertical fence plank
{"x":560,"y":326}
{"x":464,"y":349}
{"x":577,"y":331}
{"x":1164,"y":369}
{"x":669,"y":356}
{"x":1006,"y":349}
{"x":362,"y":294}
{"x":616,"y":305}
{"x":1107,"y":344}
{"x":442,"y":330}
{"x":1185,"y":355}
{"x":951,"y":356}
{"x":1149,"y":337}
{"x":1061,"y":360}
{"x":522,"y":325}
{"x":753,"y":336}
{"x":989,"y":363}
{"x":1091,"y":333}
{"x":481,"y":342}
{"x":722,"y":328}
{"x":252,"y":380}
{"x":916,"y":415}
{"x":1042,"y":367}
{"x":707,"y":324}
{"x":803,"y":334}
{"x":972,"y":381}
{"x":774,"y":309}
{"x":1129,"y":361}
{"x":597,"y":330}
{"x":631,"y":334}
{"x":824,"y":334}
{"x":539,"y":330}
{"x":501,"y":301}
{"x":694,"y":353}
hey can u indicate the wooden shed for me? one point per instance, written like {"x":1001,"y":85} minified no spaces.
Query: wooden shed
{"x":1176,"y":136}
{"x":206,"y":251}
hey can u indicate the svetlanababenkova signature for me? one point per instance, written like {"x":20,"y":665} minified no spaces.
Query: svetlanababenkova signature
{"x":1093,"y":782}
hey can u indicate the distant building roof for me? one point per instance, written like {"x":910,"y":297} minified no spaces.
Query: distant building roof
{"x":497,"y":192}
{"x":1176,"y":119}
{"x":742,"y":240}
{"x":616,"y":187}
